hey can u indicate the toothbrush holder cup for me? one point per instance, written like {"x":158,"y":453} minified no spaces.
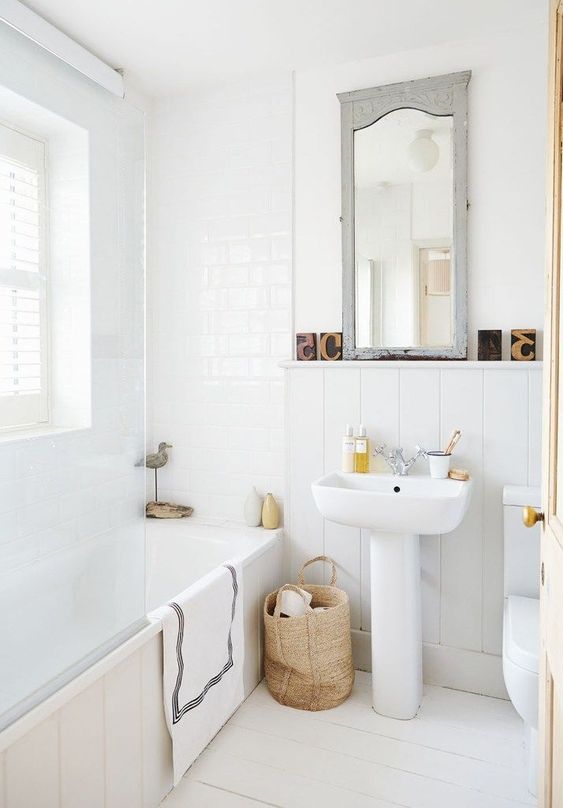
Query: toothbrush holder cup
{"x":439,"y":463}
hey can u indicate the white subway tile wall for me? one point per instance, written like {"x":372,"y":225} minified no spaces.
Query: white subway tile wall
{"x":219,"y":292}
{"x":499,"y":413}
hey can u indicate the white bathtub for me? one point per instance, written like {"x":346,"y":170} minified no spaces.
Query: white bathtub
{"x":104,"y":732}
{"x":181,"y":552}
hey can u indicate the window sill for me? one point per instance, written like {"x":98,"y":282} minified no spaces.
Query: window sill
{"x":29,"y":433}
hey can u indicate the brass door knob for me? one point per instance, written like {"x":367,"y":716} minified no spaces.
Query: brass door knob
{"x":530,"y":516}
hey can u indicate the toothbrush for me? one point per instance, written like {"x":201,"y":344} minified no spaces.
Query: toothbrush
{"x":454,"y":440}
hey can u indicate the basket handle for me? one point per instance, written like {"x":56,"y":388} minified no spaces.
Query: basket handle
{"x":301,"y":578}
{"x":284,"y":588}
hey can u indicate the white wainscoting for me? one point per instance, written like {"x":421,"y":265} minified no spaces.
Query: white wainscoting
{"x":497,"y":406}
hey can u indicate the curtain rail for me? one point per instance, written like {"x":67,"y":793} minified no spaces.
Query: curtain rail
{"x":31,"y":25}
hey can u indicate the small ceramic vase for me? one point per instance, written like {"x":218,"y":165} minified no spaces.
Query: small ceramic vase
{"x":270,"y":513}
{"x":253,"y":508}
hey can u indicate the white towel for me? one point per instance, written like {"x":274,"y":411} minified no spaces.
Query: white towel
{"x":203,"y":640}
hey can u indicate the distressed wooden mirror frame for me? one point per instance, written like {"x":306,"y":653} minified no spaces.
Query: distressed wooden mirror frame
{"x":439,"y":95}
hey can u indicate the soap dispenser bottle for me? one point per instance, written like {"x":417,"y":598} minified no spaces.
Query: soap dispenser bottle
{"x":361,"y":455}
{"x":348,"y":450}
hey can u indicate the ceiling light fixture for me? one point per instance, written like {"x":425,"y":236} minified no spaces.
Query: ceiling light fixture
{"x":423,"y":152}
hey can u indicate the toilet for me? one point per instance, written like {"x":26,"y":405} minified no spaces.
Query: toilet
{"x":521,"y":624}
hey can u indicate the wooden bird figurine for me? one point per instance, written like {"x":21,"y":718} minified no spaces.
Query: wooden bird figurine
{"x":156,"y":460}
{"x":163,"y":510}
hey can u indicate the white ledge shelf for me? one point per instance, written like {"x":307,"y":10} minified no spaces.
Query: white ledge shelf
{"x":418,"y":364}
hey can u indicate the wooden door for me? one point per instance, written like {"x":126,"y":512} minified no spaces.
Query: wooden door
{"x":551,"y":590}
{"x":435,"y":300}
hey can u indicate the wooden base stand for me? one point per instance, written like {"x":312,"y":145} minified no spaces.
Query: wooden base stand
{"x":167,"y":510}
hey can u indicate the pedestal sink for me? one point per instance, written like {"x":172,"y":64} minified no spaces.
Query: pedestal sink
{"x":396,"y":510}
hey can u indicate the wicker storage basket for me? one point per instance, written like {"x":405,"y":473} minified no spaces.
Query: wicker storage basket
{"x":308,"y":660}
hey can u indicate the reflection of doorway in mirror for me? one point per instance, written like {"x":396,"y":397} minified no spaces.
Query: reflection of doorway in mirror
{"x":434,"y":278}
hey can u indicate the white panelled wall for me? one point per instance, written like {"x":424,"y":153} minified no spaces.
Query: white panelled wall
{"x":498,"y":408}
{"x":219,"y":289}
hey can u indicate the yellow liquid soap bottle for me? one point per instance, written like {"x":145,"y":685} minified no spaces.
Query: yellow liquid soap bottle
{"x":361,"y":455}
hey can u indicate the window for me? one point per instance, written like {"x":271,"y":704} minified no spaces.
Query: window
{"x":23,"y":281}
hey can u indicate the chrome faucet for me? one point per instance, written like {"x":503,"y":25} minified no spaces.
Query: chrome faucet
{"x":396,"y":461}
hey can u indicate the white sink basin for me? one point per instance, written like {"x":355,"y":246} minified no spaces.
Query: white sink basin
{"x":416,"y":504}
{"x":396,"y":510}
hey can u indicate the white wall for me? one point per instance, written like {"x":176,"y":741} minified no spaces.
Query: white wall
{"x":219,"y":318}
{"x":498,"y":409}
{"x":219,"y":289}
{"x":507,"y":126}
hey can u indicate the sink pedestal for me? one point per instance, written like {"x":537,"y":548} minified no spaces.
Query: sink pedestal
{"x":397,"y":510}
{"x":396,"y":628}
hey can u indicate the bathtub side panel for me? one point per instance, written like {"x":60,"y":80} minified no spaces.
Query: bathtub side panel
{"x":2,"y":781}
{"x":261,"y":576}
{"x":122,"y":719}
{"x":82,"y":743}
{"x":157,"y":744}
{"x":252,"y":590}
{"x":32,"y":768}
{"x":133,"y":746}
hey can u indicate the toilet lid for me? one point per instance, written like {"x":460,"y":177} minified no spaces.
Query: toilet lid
{"x":523,"y":631}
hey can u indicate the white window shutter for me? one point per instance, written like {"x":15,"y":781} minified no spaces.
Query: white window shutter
{"x":23,"y":305}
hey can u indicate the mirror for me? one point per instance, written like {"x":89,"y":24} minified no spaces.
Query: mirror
{"x":404,"y":220}
{"x":403,"y":202}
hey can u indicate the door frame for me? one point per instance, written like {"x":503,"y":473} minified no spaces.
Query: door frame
{"x":553,"y":289}
{"x":552,"y":526}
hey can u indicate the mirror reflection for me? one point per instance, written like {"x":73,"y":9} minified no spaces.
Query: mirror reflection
{"x":403,"y":199}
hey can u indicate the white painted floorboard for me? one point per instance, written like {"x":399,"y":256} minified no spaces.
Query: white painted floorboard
{"x":461,"y":751}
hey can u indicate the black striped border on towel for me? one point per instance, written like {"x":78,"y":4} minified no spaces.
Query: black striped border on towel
{"x":177,"y":712}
